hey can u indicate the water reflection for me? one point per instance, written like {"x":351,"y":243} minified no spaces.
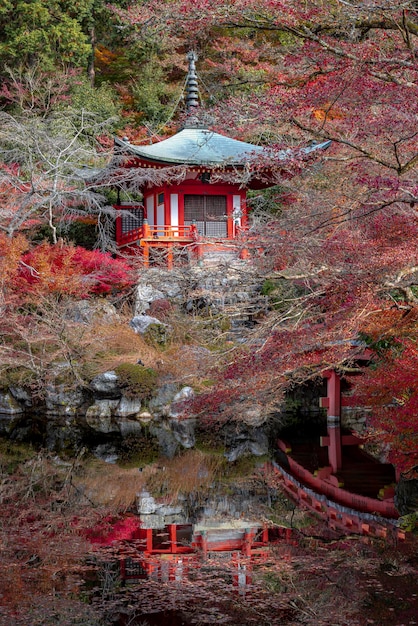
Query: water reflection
{"x":170,"y":553}
{"x":205,"y":572}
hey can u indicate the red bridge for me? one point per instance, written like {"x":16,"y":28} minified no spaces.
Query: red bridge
{"x":334,"y":478}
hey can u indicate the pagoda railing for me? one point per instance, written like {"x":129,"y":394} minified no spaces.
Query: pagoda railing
{"x":159,"y":233}
{"x":169,"y":232}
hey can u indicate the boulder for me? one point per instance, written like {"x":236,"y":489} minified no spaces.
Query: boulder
{"x":128,"y":407}
{"x":9,"y":405}
{"x":106,"y":452}
{"x":99,"y":416}
{"x":145,"y":417}
{"x":246,"y":441}
{"x":129,"y":427}
{"x":63,"y":401}
{"x":254,"y":415}
{"x":152,"y":329}
{"x":90,"y":311}
{"x":146,"y":504}
{"x":184,"y":432}
{"x":21,"y":394}
{"x":140,"y":323}
{"x":106,"y":385}
{"x":177,"y":408}
{"x":160,"y":405}
{"x":64,"y":433}
{"x":145,"y":294}
{"x":157,"y":285}
{"x":167,"y":441}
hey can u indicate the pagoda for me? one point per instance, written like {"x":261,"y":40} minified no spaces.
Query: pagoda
{"x":193,"y":184}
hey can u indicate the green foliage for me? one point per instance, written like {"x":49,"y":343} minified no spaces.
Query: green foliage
{"x":80,"y":233}
{"x":409,"y":522}
{"x":46,"y":32}
{"x":19,"y":376}
{"x":267,"y":201}
{"x":137,"y":381}
{"x":100,"y":101}
{"x":268,"y":287}
{"x":150,"y":93}
{"x":378,"y":345}
{"x":292,"y":405}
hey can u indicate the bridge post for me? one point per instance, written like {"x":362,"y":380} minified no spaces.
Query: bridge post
{"x":333,"y":405}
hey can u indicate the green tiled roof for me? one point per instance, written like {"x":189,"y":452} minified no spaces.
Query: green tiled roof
{"x":200,"y":146}
{"x":195,"y":146}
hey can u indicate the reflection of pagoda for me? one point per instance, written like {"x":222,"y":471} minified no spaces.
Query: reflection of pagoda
{"x":171,"y":552}
{"x":195,"y":187}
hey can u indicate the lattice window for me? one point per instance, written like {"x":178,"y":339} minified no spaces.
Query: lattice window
{"x":132,"y":218}
{"x":209,"y":213}
{"x":134,"y":569}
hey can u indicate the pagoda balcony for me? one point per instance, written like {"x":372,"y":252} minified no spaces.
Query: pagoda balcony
{"x":158,"y":235}
{"x":172,"y":234}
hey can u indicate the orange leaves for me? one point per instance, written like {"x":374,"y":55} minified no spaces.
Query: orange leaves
{"x":11,"y":249}
{"x":390,"y":322}
{"x":103,"y":56}
{"x":328,"y":112}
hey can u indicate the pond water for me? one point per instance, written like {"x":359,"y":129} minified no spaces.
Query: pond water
{"x":209,"y":571}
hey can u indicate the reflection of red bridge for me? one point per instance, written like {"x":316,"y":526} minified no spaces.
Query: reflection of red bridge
{"x":334,"y":478}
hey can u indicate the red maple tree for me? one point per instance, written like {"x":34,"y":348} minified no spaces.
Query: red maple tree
{"x":346,"y":244}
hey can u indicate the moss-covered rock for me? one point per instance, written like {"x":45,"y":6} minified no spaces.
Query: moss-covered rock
{"x":157,"y":335}
{"x":136,"y":381}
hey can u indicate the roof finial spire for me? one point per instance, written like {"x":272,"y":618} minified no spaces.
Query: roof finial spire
{"x":192,"y":90}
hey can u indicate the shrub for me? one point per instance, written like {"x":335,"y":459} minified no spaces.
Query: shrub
{"x":73,"y":270}
{"x":136,"y":381}
{"x":160,"y":308}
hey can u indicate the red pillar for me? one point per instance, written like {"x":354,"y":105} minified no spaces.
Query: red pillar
{"x":170,"y":257}
{"x":149,"y":540}
{"x":204,"y":543}
{"x":172,"y":530}
{"x":146,"y":230}
{"x":248,"y":541}
{"x":118,"y":227}
{"x":334,"y":420}
{"x":145,"y":253}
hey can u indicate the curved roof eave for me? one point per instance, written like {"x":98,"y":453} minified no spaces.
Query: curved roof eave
{"x":197,"y":146}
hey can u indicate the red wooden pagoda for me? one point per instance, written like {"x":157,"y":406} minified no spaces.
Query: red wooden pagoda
{"x":196,"y":188}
